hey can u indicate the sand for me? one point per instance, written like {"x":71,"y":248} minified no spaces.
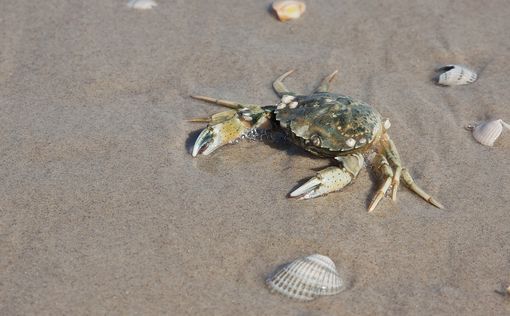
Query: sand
{"x":104,"y":211}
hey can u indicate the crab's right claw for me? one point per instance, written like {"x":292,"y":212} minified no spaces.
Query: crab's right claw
{"x":325,"y":181}
{"x":224,"y":128}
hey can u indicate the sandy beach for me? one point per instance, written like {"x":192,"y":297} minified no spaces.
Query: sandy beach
{"x":104,"y":211}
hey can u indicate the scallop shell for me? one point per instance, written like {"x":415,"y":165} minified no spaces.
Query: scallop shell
{"x":455,"y":75}
{"x":142,"y":4}
{"x":288,"y":9}
{"x":307,"y":278}
{"x":487,"y":133}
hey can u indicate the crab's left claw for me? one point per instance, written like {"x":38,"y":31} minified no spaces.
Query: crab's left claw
{"x":224,"y":128}
{"x":205,"y":143}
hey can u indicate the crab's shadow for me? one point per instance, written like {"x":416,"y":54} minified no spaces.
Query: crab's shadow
{"x":190,"y":141}
{"x":279,"y":142}
{"x":374,"y":184}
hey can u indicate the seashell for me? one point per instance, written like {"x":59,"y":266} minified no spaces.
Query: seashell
{"x":142,"y":4}
{"x":288,"y":9}
{"x":486,"y":133}
{"x":455,"y":75}
{"x":307,"y":278}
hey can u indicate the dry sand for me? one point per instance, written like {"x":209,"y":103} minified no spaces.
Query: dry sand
{"x":104,"y":211}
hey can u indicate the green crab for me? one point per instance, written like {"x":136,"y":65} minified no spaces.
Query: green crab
{"x":323,"y":123}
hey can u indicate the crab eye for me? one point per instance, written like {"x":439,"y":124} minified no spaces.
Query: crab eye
{"x":316,"y":140}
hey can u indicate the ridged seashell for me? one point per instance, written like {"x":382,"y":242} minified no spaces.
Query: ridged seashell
{"x":487,"y":133}
{"x":307,"y":278}
{"x":288,"y":9}
{"x":455,"y":75}
{"x":142,"y":4}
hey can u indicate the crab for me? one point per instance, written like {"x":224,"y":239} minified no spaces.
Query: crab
{"x":325,"y":124}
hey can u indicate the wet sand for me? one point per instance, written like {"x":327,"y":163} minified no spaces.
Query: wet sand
{"x":104,"y":211}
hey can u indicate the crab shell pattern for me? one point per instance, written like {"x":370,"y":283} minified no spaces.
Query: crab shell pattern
{"x":329,"y":125}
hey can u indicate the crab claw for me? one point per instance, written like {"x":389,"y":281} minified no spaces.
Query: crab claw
{"x":205,"y":143}
{"x":325,"y":181}
{"x":332,"y":178}
{"x":224,"y":128}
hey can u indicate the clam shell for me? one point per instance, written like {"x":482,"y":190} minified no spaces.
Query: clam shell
{"x":307,"y":278}
{"x":288,"y":9}
{"x":455,"y":75}
{"x":142,"y":4}
{"x":486,"y":133}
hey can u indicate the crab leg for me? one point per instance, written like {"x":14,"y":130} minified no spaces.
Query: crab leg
{"x":228,"y":126}
{"x":391,"y":153}
{"x":381,"y":164}
{"x":324,"y":86}
{"x":225,"y":103}
{"x":331,"y":179}
{"x":278,"y":85}
{"x":408,"y":180}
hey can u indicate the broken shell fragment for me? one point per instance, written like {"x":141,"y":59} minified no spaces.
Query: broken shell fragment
{"x":307,"y":278}
{"x":288,"y":9}
{"x":455,"y":75}
{"x":142,"y":4}
{"x":486,"y":133}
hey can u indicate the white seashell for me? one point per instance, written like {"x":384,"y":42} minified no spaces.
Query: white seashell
{"x":288,"y":9}
{"x":142,"y":4}
{"x":455,"y":75}
{"x":307,"y":278}
{"x":487,"y":133}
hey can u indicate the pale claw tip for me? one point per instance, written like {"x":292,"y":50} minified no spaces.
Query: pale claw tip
{"x":306,"y":188}
{"x":375,"y":201}
{"x":196,"y":150}
{"x":205,"y":143}
{"x":436,"y":203}
{"x":394,"y":195}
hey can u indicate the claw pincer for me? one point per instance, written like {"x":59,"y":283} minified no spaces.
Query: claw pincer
{"x":228,"y":126}
{"x":331,"y":179}
{"x":224,"y":128}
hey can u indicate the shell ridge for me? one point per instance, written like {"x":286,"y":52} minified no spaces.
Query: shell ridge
{"x":307,"y":278}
